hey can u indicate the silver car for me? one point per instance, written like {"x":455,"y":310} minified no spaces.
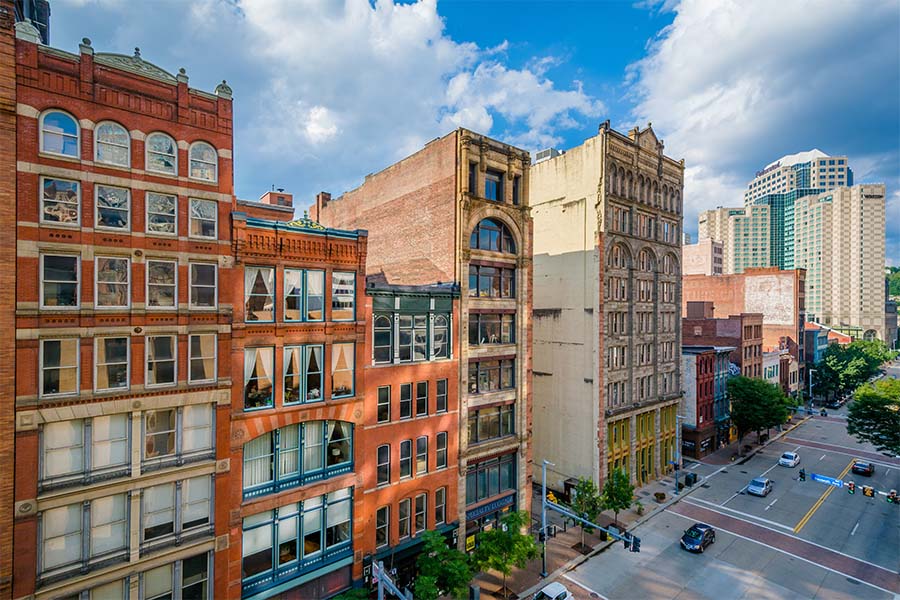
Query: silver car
{"x":759,"y":486}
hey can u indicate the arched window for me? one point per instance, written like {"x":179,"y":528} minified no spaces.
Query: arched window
{"x":670,"y":265}
{"x":441,"y":336}
{"x":646,"y":261}
{"x":492,"y":235}
{"x":870,"y":335}
{"x":112,"y":144}
{"x":59,"y":133}
{"x":620,"y":183}
{"x":162,"y":154}
{"x":297,"y":454}
{"x":383,"y":348}
{"x":654,"y":193}
{"x":204,"y":162}
{"x":618,"y":257}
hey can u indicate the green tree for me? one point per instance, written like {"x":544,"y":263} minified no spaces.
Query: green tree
{"x":618,"y":493}
{"x":844,"y":368}
{"x":893,"y":278}
{"x":505,"y":547}
{"x":874,"y":416}
{"x":441,"y":568}
{"x":756,"y":404}
{"x":354,"y":594}
{"x":587,"y":503}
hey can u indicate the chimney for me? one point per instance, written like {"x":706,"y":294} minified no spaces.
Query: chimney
{"x":322,"y":200}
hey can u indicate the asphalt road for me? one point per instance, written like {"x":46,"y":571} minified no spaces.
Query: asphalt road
{"x":804,"y":540}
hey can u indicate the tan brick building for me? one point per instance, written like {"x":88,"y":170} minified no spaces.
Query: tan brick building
{"x":607,"y":375}
{"x":744,"y":234}
{"x":457,"y":211}
{"x":744,"y":331}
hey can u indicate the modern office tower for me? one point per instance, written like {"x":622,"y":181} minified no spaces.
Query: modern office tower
{"x":811,"y":169}
{"x":457,"y":212}
{"x":744,"y":234}
{"x":122,"y":394}
{"x":607,"y":373}
{"x":839,"y":238}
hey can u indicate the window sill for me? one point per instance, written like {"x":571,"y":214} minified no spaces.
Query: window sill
{"x":55,"y":156}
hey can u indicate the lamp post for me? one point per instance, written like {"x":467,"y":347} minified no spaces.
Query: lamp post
{"x":809,"y":408}
{"x":544,"y":516}
{"x":677,"y":448}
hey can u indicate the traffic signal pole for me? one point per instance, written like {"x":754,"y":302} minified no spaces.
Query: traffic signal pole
{"x":544,"y":516}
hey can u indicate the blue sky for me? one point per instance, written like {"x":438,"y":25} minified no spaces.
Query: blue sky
{"x":326,"y":91}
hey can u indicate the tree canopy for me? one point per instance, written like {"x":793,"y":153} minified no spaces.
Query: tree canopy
{"x":756,"y":404}
{"x":618,"y":493}
{"x":505,"y":547}
{"x":844,"y":368}
{"x":441,"y":569}
{"x":587,"y":503}
{"x":874,"y":415}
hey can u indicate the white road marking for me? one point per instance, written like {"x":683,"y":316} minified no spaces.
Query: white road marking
{"x":772,"y":503}
{"x":740,"y":491}
{"x":855,"y":527}
{"x":694,"y":466}
{"x":823,"y":457}
{"x":800,"y":557}
{"x":581,"y":585}
{"x":712,"y":506}
{"x":853,"y":454}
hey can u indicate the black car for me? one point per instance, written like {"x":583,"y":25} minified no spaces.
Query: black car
{"x":698,"y":537}
{"x":863,"y":468}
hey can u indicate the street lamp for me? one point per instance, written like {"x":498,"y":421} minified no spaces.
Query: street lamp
{"x":809,"y":408}
{"x":677,"y":448}
{"x":544,"y":516}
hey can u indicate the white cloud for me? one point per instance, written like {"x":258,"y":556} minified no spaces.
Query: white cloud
{"x":733,"y":85}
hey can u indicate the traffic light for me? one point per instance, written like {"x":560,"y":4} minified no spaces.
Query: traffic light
{"x":851,"y":487}
{"x":627,"y":541}
{"x":636,"y":544}
{"x":869,"y":491}
{"x":892,"y":497}
{"x":802,"y":474}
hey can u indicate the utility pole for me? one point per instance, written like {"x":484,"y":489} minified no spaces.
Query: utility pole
{"x":678,"y":419}
{"x":544,"y":516}
{"x":809,"y":408}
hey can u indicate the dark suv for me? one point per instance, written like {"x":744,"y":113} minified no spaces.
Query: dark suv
{"x":698,"y":537}
{"x":863,"y":468}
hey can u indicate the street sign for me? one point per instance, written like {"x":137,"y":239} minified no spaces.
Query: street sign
{"x":838,"y":483}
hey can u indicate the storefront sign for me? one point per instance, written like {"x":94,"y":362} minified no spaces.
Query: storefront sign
{"x":490,"y":507}
{"x":470,"y":543}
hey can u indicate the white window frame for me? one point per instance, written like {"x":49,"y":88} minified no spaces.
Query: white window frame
{"x":215,"y":304}
{"x":215,"y":358}
{"x":147,"y":154}
{"x":191,"y":219}
{"x":174,"y":339}
{"x":77,"y":258}
{"x":97,"y":365}
{"x":77,"y":222}
{"x":215,"y":164}
{"x":147,"y":285}
{"x":77,"y":134}
{"x":418,"y":454}
{"x":77,"y":391}
{"x":97,"y":283}
{"x":352,"y":274}
{"x":97,"y":143}
{"x":147,"y":213}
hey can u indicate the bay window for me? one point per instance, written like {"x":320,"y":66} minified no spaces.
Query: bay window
{"x":258,"y":366}
{"x":295,"y":455}
{"x":161,"y":280}
{"x":415,"y":337}
{"x":259,"y":294}
{"x":60,"y":201}
{"x":59,"y":367}
{"x":60,"y":277}
{"x":343,"y":294}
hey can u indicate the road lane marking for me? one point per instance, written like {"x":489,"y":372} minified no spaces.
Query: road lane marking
{"x":713,"y":506}
{"x":741,"y":491}
{"x":693,"y":466}
{"x":772,"y":503}
{"x":823,"y":457}
{"x":855,"y":527}
{"x":853,"y":451}
{"x":819,"y":502}
{"x":581,"y":585}
{"x":835,"y":571}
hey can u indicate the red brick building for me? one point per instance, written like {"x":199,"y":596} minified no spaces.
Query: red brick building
{"x":410,"y":440}
{"x":295,"y":510}
{"x":698,"y":434}
{"x":123,"y":190}
{"x":457,"y":211}
{"x":743,"y":331}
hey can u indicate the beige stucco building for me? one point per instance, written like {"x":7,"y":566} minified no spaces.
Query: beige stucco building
{"x":607,"y":319}
{"x":744,"y":235}
{"x":839,"y":238}
{"x":703,"y":258}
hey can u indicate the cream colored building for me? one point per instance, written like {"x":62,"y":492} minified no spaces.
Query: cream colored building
{"x":703,"y":258}
{"x":744,"y":234}
{"x":839,"y":238}
{"x":607,"y":307}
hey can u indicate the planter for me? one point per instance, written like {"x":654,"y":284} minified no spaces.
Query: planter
{"x":660,"y":497}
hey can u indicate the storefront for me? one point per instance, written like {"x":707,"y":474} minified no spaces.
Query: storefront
{"x":485,"y":517}
{"x":400,"y":560}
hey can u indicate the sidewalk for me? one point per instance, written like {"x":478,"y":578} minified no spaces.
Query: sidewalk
{"x":563,"y":553}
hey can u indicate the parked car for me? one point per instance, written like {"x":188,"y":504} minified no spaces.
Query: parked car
{"x":789,"y":459}
{"x":697,"y":537}
{"x":759,"y":486}
{"x":863,"y":468}
{"x":554,"y":591}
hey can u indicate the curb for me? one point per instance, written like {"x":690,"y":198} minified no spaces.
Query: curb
{"x":578,"y":560}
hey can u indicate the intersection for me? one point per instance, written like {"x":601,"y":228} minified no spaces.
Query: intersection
{"x":804,"y":540}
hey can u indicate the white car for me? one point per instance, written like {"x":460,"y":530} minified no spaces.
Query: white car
{"x":789,"y":459}
{"x":554,"y":591}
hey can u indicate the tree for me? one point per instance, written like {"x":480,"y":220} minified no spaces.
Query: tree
{"x":874,"y":416}
{"x":442,"y":569}
{"x":618,"y":493}
{"x":844,"y":368}
{"x":587,"y":503}
{"x":756,"y":404}
{"x":354,"y":594}
{"x":505,"y":547}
